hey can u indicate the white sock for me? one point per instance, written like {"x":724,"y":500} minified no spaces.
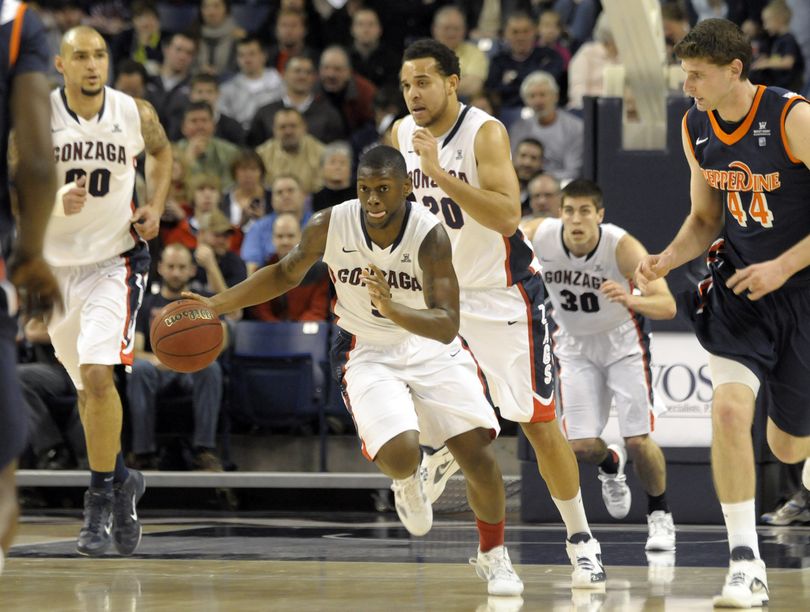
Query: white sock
{"x":573,"y":514}
{"x":806,"y":474}
{"x":741,"y":525}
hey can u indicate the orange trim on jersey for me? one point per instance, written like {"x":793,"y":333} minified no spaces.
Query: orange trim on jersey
{"x":736,"y":135}
{"x":126,"y":358}
{"x":506,"y":261}
{"x":652,"y":421}
{"x":2,"y":269}
{"x":16,"y":35}
{"x":688,"y":136}
{"x":782,"y":121}
{"x":541,"y":413}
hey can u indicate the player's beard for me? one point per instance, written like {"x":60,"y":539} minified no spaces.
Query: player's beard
{"x":90,"y":93}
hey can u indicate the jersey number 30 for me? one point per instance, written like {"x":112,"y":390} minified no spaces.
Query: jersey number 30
{"x":98,"y":183}
{"x":588,"y":302}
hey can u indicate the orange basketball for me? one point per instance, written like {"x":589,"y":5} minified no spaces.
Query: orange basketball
{"x":186,"y":335}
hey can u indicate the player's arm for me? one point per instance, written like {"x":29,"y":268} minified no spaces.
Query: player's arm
{"x":762,"y":278}
{"x":274,"y":280}
{"x":655,"y":301}
{"x":701,"y":227}
{"x":441,"y":318}
{"x":529,"y":227}
{"x":158,"y":171}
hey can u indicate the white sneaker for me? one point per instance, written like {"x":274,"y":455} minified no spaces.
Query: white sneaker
{"x":746,"y":585}
{"x":615,"y":492}
{"x":495,"y":567}
{"x":586,"y":557}
{"x":413,"y":506}
{"x":438,"y":468}
{"x":661,"y":531}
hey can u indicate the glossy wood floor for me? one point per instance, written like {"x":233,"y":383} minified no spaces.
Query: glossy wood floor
{"x":363,"y":563}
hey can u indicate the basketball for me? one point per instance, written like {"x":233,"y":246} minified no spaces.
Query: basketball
{"x":186,"y":336}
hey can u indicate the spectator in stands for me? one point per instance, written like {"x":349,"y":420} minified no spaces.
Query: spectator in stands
{"x":217,"y":266}
{"x":528,"y":162}
{"x":253,"y":87}
{"x":309,"y":301}
{"x":131,"y":78}
{"x":219,"y":34}
{"x":248,"y":200}
{"x":551,"y":34}
{"x":205,"y":88}
{"x":288,"y":197}
{"x":375,"y":61}
{"x":783,"y":64}
{"x":388,"y":107}
{"x":676,"y":26}
{"x":351,"y":94}
{"x":150,"y":378}
{"x":203,"y":151}
{"x":586,"y":72}
{"x":336,"y":172}
{"x":450,"y":29}
{"x":169,"y":94}
{"x":323,"y":120}
{"x":143,"y":41}
{"x":521,"y":57}
{"x":579,"y":19}
{"x":66,"y":15}
{"x":561,"y":133}
{"x":206,"y":197}
{"x":292,"y":150}
{"x":544,"y":197}
{"x":42,"y":381}
{"x":174,"y":225}
{"x":486,"y":101}
{"x":291,"y":36}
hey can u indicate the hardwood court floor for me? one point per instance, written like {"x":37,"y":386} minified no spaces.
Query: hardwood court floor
{"x":360,"y":562}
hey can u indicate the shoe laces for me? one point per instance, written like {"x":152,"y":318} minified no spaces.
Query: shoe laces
{"x":410,"y":491}
{"x":94,"y":512}
{"x":615,"y":485}
{"x":661,"y":524}
{"x":738,"y":578}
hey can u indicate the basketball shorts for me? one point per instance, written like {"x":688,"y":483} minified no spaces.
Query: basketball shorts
{"x":419,"y":384}
{"x":594,"y":369}
{"x":97,"y":325}
{"x":769,"y":336}
{"x":507,"y":331}
{"x":13,"y":418}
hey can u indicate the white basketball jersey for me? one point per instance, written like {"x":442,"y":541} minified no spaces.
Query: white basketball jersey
{"x":349,"y":250}
{"x":104,"y":149}
{"x":573,"y":282}
{"x":482,"y":257}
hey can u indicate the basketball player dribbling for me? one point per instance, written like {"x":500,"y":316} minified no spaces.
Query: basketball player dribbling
{"x":96,"y":245}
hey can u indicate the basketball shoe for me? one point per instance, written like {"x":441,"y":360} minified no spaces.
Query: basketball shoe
{"x":661,"y":531}
{"x":439,"y":465}
{"x":413,"y":506}
{"x":746,"y":582}
{"x":615,"y":492}
{"x":96,"y":532}
{"x":126,"y":529}
{"x":495,"y":567}
{"x":794,"y":510}
{"x":585,"y":554}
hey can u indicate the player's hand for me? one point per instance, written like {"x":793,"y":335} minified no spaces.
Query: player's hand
{"x":652,"y":267}
{"x":427,"y":148}
{"x":73,"y":201}
{"x":146,"y":221}
{"x":37,"y":288}
{"x":759,"y":279}
{"x":378,"y":289}
{"x":190,"y":295}
{"x":205,"y":256}
{"x":616,"y":293}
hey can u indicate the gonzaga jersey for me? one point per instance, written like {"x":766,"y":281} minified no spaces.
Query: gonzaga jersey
{"x":573,"y":282}
{"x":765,"y":189}
{"x":482,"y":257}
{"x":349,"y":250}
{"x":104,"y":149}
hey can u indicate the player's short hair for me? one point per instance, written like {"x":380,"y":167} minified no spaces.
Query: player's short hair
{"x":583,"y":188}
{"x":446,"y":59}
{"x":383,"y":158}
{"x":717,"y":41}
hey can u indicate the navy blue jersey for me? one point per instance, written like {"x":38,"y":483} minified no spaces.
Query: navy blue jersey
{"x":766,"y":189}
{"x":23,"y":48}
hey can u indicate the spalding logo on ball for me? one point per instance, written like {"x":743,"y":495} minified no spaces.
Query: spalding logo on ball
{"x":186,"y":336}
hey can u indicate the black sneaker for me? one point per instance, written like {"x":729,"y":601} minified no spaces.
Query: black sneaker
{"x":95,"y":535}
{"x":126,"y":526}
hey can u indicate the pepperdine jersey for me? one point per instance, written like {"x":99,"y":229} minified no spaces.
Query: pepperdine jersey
{"x":482,"y":257}
{"x":573,"y":282}
{"x":765,"y":188}
{"x":348,"y":252}
{"x":104,"y":149}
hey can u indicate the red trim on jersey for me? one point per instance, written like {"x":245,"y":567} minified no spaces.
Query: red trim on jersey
{"x":541,"y":413}
{"x":652,"y":421}
{"x":126,"y":359}
{"x":647,"y":371}
{"x":736,"y":135}
{"x":478,"y":369}
{"x":347,"y":402}
{"x":506,"y":261}
{"x":16,"y":35}
{"x":782,"y":120}
{"x":2,"y":269}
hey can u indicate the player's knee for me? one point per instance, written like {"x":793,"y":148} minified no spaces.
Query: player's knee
{"x":585,"y":449}
{"x":636,"y":444}
{"x":97,"y":379}
{"x":730,"y":416}
{"x":786,"y":448}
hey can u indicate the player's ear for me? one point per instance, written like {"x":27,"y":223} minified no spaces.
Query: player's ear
{"x":452,"y":83}
{"x":60,"y":66}
{"x":736,"y":67}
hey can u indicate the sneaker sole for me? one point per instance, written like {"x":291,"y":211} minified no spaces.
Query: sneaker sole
{"x":732,"y":602}
{"x":94,"y":553}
